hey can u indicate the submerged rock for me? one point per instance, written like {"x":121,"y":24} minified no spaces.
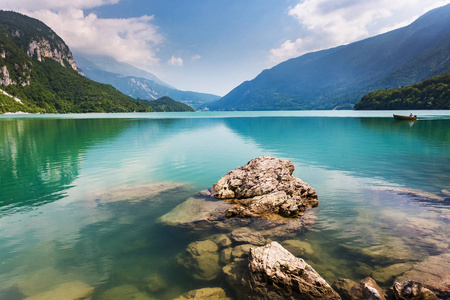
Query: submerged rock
{"x":247,"y":236}
{"x":125,"y":292}
{"x":204,"y":294}
{"x":367,"y":289}
{"x":298,"y":248}
{"x":343,"y":287}
{"x":198,"y":212}
{"x":277,"y":274}
{"x":154,"y":283}
{"x":265,"y":187}
{"x":411,"y":290}
{"x":133,"y":193}
{"x":389,"y":273}
{"x":75,"y":290}
{"x":433,"y":273}
{"x":201,"y":258}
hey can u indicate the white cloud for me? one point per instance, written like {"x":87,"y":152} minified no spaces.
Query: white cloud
{"x":196,"y":57}
{"x":131,"y":40}
{"x":331,"y":23}
{"x":175,"y":61}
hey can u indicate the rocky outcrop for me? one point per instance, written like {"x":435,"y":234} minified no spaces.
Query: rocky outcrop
{"x":274,"y":273}
{"x":265,"y":187}
{"x":411,"y":290}
{"x":56,"y":50}
{"x":5,"y":78}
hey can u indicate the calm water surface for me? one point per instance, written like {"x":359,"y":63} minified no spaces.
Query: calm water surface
{"x":79,"y":193}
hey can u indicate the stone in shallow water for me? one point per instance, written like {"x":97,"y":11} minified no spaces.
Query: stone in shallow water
{"x":393,"y":250}
{"x":125,"y":292}
{"x":343,"y":287}
{"x":201,"y":258}
{"x":433,"y":273}
{"x":132,"y":193}
{"x":411,"y":290}
{"x":221,"y":240}
{"x":277,"y":274}
{"x":298,"y":248}
{"x":265,"y":187}
{"x":75,"y":290}
{"x":198,"y":212}
{"x":241,"y":251}
{"x":247,"y":236}
{"x":154,"y":283}
{"x":386,"y":274}
{"x":204,"y":294}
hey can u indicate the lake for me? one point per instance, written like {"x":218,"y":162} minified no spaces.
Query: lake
{"x":80,"y":195}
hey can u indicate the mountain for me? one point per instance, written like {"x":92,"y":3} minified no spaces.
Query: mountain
{"x":337,"y":78}
{"x":433,"y":93}
{"x":109,"y":64}
{"x":135,"y":82}
{"x":38,"y":74}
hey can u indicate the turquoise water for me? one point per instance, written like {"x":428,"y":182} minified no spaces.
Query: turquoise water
{"x":62,"y":176}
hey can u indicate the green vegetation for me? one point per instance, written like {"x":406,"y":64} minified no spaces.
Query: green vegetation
{"x":48,"y":87}
{"x":168,"y":104}
{"x":433,"y":93}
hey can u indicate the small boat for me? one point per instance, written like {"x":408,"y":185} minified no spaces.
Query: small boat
{"x":405,"y":117}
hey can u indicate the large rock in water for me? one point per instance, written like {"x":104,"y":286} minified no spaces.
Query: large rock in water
{"x":277,"y":274}
{"x":263,"y":187}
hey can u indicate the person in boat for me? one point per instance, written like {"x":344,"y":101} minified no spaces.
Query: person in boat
{"x":411,"y":115}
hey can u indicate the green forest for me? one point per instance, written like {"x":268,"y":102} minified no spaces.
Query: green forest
{"x":48,"y":87}
{"x":433,"y":93}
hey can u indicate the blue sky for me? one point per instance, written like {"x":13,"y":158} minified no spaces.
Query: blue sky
{"x":214,"y":45}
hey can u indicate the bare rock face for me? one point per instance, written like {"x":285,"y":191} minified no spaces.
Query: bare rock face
{"x":263,"y":187}
{"x":277,"y":274}
{"x":411,"y":290}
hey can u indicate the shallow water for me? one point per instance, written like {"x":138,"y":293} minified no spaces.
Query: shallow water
{"x":80,"y":194}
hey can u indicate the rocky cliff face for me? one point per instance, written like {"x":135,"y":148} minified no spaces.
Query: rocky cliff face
{"x":57,"y":51}
{"x":22,"y":38}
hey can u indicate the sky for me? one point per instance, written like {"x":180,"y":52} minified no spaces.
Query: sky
{"x":213,"y":46}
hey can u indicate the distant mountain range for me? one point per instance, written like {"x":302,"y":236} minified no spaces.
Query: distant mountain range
{"x":38,"y":74}
{"x":135,"y":82}
{"x":337,"y":78}
{"x":433,"y":93}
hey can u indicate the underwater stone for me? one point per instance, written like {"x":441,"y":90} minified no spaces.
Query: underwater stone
{"x":214,"y":293}
{"x":75,"y":290}
{"x":298,"y":248}
{"x":202,"y":259}
{"x":245,"y":235}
